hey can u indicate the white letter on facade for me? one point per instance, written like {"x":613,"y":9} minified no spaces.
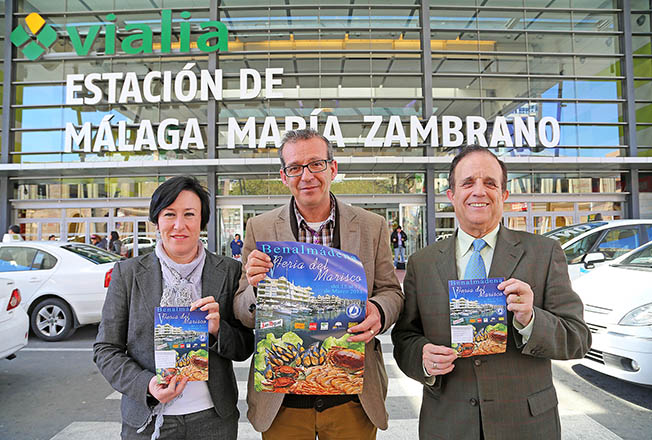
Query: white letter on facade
{"x":451,"y":126}
{"x":192,"y":135}
{"x":245,"y":93}
{"x":554,"y":127}
{"x":173,"y":133}
{"x":370,"y":140}
{"x":393,"y":126}
{"x":333,"y":132}
{"x":71,"y":88}
{"x":417,"y":130}
{"x":269,"y":133}
{"x":500,"y":133}
{"x":249,"y":130}
{"x":476,"y":127}
{"x":83,"y":137}
{"x":270,"y":82}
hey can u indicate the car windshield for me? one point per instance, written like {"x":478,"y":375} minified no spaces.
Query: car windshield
{"x":92,"y":253}
{"x":640,"y":258}
{"x":569,"y":232}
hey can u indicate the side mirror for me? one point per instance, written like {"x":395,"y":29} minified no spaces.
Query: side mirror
{"x":591,"y":259}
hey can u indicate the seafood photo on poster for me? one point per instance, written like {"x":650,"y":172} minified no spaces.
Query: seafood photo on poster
{"x":180,"y":343}
{"x":478,"y":313}
{"x":304,"y":307}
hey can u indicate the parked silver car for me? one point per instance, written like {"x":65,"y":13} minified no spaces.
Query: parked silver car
{"x":609,"y":239}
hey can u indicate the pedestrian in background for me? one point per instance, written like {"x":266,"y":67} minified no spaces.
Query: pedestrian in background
{"x":180,"y":272}
{"x":115,"y":245}
{"x":13,"y":234}
{"x":99,"y":241}
{"x":236,"y":247}
{"x":398,"y":243}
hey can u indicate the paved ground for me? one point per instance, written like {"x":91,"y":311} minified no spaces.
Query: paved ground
{"x":54,"y":392}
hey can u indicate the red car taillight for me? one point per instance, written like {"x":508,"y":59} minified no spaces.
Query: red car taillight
{"x":107,"y":278}
{"x":14,"y":300}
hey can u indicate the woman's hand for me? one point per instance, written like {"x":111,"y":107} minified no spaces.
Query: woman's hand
{"x":164,"y":393}
{"x":208,"y":304}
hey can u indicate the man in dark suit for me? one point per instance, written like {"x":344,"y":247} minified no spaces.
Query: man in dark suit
{"x":501,"y":396}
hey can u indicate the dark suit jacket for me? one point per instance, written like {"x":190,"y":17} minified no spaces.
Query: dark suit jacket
{"x":364,"y":234}
{"x":511,"y":395}
{"x":124,"y":348}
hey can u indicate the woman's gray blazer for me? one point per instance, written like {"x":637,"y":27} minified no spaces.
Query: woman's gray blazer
{"x":124,"y":348}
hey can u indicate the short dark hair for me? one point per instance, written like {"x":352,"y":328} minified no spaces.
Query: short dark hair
{"x":237,"y":235}
{"x":15,"y":229}
{"x":168,"y":191}
{"x":292,"y":136}
{"x":470,"y":150}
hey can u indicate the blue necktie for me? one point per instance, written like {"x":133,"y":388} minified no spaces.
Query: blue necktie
{"x":475,"y":268}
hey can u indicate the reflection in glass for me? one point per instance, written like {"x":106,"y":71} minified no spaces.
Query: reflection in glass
{"x":516,"y":222}
{"x":413,"y":222}
{"x":597,"y":44}
{"x":230,"y":223}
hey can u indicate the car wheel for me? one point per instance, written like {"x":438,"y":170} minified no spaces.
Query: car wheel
{"x":52,"y":320}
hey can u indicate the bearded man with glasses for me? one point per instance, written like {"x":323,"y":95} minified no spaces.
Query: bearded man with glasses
{"x":314,"y":215}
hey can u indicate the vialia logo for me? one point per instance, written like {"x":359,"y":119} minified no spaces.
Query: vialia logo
{"x":139,"y":40}
{"x":44,"y":35}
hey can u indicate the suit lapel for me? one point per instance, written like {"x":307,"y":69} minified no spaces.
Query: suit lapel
{"x":507,"y":254}
{"x":150,"y":280}
{"x":446,"y":266}
{"x":213,"y":277}
{"x":282,"y":225}
{"x":349,"y":230}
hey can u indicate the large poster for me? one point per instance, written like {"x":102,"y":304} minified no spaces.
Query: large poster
{"x":304,"y":307}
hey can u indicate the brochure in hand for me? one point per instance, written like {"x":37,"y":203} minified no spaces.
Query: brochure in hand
{"x":180,"y":344}
{"x":304,"y":307}
{"x":478,"y":313}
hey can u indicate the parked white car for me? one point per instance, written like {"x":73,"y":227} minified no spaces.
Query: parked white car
{"x":610,"y":239}
{"x":14,"y":323}
{"x":617,"y":301}
{"x":63,"y":285}
{"x":145,"y":246}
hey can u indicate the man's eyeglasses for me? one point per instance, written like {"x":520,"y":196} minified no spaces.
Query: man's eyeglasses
{"x":316,"y":166}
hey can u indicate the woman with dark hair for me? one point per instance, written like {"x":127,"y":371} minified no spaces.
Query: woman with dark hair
{"x":180,"y":272}
{"x":115,"y":244}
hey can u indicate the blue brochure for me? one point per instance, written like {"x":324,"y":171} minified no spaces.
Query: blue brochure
{"x":478,"y":313}
{"x":304,"y":307}
{"x":180,"y":343}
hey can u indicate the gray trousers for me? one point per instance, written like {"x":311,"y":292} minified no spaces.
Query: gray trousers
{"x":202,"y":425}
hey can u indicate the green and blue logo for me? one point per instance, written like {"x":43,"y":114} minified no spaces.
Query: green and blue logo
{"x":214,"y":37}
{"x":42,"y":38}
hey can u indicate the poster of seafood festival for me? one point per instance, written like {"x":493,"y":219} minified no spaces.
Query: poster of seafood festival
{"x":304,"y":307}
{"x":478,"y":313}
{"x":180,"y":344}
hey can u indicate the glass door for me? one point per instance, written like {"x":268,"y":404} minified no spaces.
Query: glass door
{"x":412,"y":219}
{"x":230,"y":223}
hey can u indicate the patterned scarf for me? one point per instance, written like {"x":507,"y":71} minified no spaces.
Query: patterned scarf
{"x":181,"y":282}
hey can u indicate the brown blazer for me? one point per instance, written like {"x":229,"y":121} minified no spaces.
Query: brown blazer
{"x":511,"y":395}
{"x":361,"y":233}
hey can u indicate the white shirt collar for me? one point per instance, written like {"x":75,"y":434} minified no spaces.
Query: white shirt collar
{"x":465,"y":241}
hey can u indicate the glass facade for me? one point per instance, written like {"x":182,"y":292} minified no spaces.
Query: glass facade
{"x":361,"y":71}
